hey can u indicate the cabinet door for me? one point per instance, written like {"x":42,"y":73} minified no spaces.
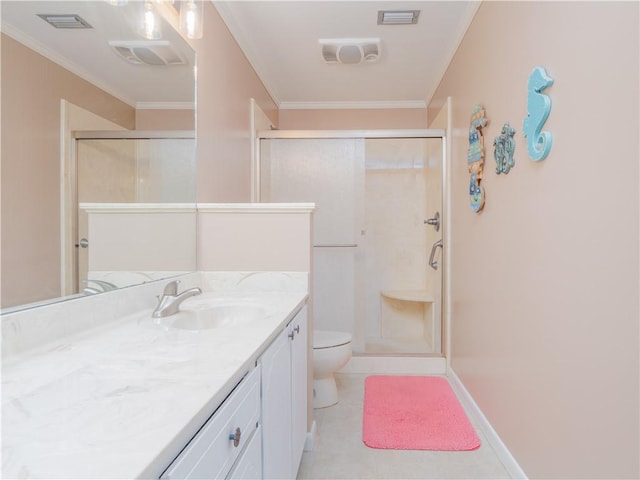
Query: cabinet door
{"x":276,"y":409}
{"x":298,"y":387}
{"x":249,"y":466}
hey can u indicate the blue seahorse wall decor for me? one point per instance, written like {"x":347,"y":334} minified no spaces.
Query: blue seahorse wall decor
{"x":538,"y":108}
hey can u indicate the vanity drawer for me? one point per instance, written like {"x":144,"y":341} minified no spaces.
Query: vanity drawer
{"x":211,"y":453}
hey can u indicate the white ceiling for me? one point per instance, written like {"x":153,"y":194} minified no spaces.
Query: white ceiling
{"x":280,"y":40}
{"x":87,"y":53}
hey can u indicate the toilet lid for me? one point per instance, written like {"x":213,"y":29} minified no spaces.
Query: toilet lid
{"x":328,"y":338}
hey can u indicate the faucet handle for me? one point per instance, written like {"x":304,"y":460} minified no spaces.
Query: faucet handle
{"x":171,"y":288}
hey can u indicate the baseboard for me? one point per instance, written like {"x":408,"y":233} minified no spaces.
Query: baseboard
{"x":400,"y":365}
{"x":501,"y":450}
{"x":310,"y":441}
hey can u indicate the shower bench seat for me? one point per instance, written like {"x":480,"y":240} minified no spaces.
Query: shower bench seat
{"x":408,"y":295}
{"x":398,"y":321}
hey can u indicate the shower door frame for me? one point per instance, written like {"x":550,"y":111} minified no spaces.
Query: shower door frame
{"x":70,"y":281}
{"x":369,"y":134}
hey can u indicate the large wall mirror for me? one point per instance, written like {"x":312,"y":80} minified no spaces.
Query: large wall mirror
{"x":98,"y":149}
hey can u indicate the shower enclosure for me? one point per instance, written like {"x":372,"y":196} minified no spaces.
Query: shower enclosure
{"x":374,"y":192}
{"x":128,"y":167}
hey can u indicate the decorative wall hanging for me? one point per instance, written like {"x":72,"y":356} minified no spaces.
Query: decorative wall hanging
{"x":504,"y":146}
{"x":475,"y":157}
{"x":538,"y":108}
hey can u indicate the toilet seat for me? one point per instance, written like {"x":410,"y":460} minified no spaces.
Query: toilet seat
{"x":330,"y":338}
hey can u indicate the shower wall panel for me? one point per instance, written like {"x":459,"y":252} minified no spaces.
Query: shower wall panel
{"x":329,"y":173}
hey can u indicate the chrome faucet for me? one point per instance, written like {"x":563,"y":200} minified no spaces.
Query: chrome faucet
{"x":171,"y":300}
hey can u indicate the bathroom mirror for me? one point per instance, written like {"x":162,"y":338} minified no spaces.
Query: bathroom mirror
{"x":74,"y":66}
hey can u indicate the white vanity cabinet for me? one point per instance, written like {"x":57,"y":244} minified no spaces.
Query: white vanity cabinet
{"x":284,"y":400}
{"x":219,"y":448}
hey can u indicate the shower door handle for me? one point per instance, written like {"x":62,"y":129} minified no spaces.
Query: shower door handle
{"x":433,"y":263}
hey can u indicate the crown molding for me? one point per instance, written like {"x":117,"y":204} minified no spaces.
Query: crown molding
{"x":165,"y":106}
{"x":240,"y":35}
{"x":354,"y":105}
{"x":64,"y":62}
{"x":448,"y":58}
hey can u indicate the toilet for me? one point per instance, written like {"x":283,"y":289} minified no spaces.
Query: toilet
{"x":331,"y":352}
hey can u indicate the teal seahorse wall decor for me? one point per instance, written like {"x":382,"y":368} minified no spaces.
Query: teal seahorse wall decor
{"x":538,"y":108}
{"x":504,"y":147}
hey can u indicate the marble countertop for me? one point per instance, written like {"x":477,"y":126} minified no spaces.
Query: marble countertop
{"x":121,"y":400}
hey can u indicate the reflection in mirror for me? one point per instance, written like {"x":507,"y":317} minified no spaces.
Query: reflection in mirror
{"x":134,"y":194}
{"x":61,"y":82}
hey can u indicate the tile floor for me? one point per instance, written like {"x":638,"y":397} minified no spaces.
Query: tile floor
{"x":339,"y":452}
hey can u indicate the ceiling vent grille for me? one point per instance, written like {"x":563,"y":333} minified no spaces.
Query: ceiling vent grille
{"x":398,"y":17}
{"x":350,"y":51}
{"x":70,"y":20}
{"x":143,"y":52}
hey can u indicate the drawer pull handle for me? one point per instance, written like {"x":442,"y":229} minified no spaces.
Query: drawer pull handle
{"x":293,"y":332}
{"x":235,"y":437}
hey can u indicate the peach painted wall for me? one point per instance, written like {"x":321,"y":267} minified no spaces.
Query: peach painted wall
{"x":545,"y":280}
{"x":133,"y":241}
{"x":32,"y":88}
{"x":254,"y":240}
{"x":353,"y":119}
{"x":225,"y":84}
{"x":158,"y":119}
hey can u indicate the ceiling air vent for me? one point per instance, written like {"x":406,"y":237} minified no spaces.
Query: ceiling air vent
{"x":70,"y":20}
{"x":398,"y":17}
{"x":350,"y":51}
{"x":142,"y":52}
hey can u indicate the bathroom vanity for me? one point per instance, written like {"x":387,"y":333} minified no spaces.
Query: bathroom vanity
{"x":134,"y":398}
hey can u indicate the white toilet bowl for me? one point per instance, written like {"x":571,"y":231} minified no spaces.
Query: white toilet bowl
{"x":331,"y":352}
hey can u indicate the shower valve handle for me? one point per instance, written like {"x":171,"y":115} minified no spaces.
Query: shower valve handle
{"x":435,"y":221}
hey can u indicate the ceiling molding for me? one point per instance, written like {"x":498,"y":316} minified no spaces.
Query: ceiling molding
{"x":58,"y":59}
{"x":459,"y":36}
{"x":355,"y":105}
{"x":240,"y":36}
{"x":165,"y":106}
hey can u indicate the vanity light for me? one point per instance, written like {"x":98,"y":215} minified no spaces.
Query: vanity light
{"x":118,"y":3}
{"x":191,"y":12}
{"x":149,"y":22}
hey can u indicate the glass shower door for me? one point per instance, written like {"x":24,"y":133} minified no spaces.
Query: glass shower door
{"x":329,"y":173}
{"x":371,"y":273}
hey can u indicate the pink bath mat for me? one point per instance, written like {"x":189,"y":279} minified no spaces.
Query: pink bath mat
{"x":414,"y":413}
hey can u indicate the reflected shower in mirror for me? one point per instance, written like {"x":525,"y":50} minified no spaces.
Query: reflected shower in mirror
{"x":58,"y":83}
{"x":136,"y":218}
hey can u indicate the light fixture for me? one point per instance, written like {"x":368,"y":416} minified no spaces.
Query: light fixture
{"x":149,"y":22}
{"x":398,"y":17}
{"x":191,"y":12}
{"x":350,"y":50}
{"x":118,"y":3}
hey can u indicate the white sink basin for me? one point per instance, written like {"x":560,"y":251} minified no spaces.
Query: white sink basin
{"x":216,"y":316}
